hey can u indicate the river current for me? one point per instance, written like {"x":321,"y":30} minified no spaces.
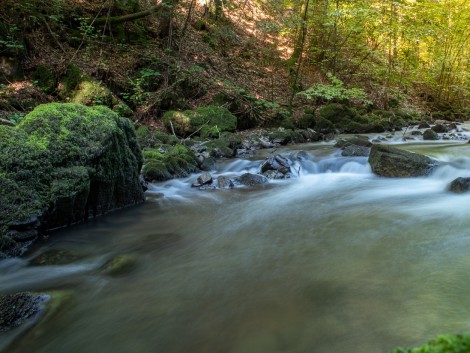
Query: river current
{"x":333,"y":260}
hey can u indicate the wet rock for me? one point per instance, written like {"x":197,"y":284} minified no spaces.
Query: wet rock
{"x":224,"y":182}
{"x":204,"y":179}
{"x":424,"y":126}
{"x":143,"y":183}
{"x":277,"y":163}
{"x":28,"y":223}
{"x":208,"y":163}
{"x":393,"y":162}
{"x":355,"y":151}
{"x":439,"y":128}
{"x":430,"y":135}
{"x":416,"y":133}
{"x":16,"y":309}
{"x":250,"y":179}
{"x":312,"y":135}
{"x":459,"y":185}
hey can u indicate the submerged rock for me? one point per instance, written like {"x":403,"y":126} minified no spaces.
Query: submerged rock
{"x":120,"y":265}
{"x":460,"y":185}
{"x":393,"y":162}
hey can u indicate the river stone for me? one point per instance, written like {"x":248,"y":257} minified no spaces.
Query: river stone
{"x":355,"y":151}
{"x":250,"y":179}
{"x":430,"y":135}
{"x":15,"y":309}
{"x":224,"y":182}
{"x":204,"y":179}
{"x":416,"y":133}
{"x":388,"y":161}
{"x":460,"y":185}
{"x":439,"y":128}
{"x":277,"y":163}
{"x":424,"y":126}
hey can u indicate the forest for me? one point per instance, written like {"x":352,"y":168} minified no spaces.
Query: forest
{"x":283,"y":175}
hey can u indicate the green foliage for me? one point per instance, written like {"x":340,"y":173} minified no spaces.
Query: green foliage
{"x":442,"y":344}
{"x":335,"y":91}
{"x":44,"y":78}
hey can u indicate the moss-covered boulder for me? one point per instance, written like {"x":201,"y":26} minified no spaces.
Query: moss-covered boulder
{"x":208,"y":121}
{"x":442,"y":344}
{"x":63,"y":164}
{"x":169,"y":162}
{"x":388,"y":161}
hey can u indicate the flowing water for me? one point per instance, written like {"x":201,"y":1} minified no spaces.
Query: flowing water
{"x":334,"y":260}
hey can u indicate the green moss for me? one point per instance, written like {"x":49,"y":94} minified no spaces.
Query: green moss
{"x":442,"y":344}
{"x":207,"y":121}
{"x":61,"y":154}
{"x":143,"y":136}
{"x":324,"y":125}
{"x":164,"y":138}
{"x":337,"y":113}
{"x":176,"y":161}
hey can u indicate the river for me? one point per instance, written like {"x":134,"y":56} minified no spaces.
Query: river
{"x":334,"y":260}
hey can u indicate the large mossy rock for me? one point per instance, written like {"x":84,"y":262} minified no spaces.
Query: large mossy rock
{"x":208,"y":121}
{"x":63,"y":164}
{"x":388,"y":161}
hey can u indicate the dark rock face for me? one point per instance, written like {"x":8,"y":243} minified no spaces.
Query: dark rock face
{"x":460,"y":185}
{"x":392,"y":162}
{"x":430,"y":135}
{"x":250,"y":179}
{"x":17,"y":308}
{"x":63,"y":164}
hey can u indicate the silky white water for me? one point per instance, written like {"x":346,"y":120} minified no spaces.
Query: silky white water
{"x":333,"y":260}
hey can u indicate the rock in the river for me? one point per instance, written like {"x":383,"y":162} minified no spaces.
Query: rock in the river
{"x":430,"y":135}
{"x":393,"y":162}
{"x":355,"y":151}
{"x":224,"y":182}
{"x":15,"y":309}
{"x":278,"y":164}
{"x":250,"y":179}
{"x":439,"y":128}
{"x":424,"y":126}
{"x":460,"y":185}
{"x":204,"y":179}
{"x":63,"y":164}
